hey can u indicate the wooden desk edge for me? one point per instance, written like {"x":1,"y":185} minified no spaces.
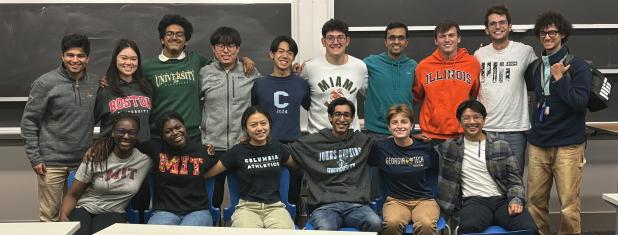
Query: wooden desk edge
{"x":611,"y":198}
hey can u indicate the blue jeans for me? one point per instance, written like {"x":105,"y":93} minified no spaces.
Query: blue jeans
{"x":335,"y":215}
{"x":195,"y":218}
{"x":517,"y":142}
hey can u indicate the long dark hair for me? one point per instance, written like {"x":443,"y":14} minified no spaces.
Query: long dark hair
{"x":99,"y":152}
{"x":245,"y":116}
{"x":113,"y":76}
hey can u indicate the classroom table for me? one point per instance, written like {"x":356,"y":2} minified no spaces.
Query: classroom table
{"x":131,"y":229}
{"x":612,"y":199}
{"x":47,"y":228}
{"x":602,"y":130}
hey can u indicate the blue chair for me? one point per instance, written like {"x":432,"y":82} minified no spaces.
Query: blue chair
{"x":132,"y":214}
{"x":498,"y":230}
{"x":215,"y":212}
{"x":232,"y":184}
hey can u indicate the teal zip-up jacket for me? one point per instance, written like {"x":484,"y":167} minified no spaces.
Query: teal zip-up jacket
{"x":389,"y":83}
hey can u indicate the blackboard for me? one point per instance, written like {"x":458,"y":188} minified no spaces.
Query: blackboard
{"x":597,"y":45}
{"x":31,"y":35}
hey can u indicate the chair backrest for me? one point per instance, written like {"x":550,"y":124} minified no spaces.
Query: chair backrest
{"x":70,"y":179}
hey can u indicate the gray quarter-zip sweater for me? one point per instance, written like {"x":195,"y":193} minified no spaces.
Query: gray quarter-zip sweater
{"x":226,"y":96}
{"x":58,"y":118}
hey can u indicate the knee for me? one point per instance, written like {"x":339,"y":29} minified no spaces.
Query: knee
{"x":372,"y":223}
{"x":394,"y":224}
{"x":470,"y":228}
{"x":324,"y":225}
{"x":245,"y":223}
{"x":426,"y":225}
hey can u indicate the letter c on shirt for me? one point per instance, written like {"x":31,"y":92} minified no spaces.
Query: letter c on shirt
{"x":277,"y":102}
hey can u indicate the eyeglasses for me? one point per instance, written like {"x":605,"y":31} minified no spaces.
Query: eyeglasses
{"x":179,"y":35}
{"x":394,"y":38}
{"x":495,"y":24}
{"x":551,"y":33}
{"x":221,"y":47}
{"x":122,"y":132}
{"x":331,"y":38}
{"x":342,"y":114}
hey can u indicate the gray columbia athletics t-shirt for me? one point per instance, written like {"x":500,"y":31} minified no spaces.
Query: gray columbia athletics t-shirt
{"x":111,"y":190}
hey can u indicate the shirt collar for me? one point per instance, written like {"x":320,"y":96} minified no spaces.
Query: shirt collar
{"x":164,"y":58}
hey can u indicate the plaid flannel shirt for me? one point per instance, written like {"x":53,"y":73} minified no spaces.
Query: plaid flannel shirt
{"x":501,"y":163}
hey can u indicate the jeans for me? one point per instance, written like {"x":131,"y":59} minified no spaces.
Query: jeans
{"x":517,"y":142}
{"x":335,"y":215}
{"x":564,"y":165}
{"x":195,"y":218}
{"x":478,"y":213}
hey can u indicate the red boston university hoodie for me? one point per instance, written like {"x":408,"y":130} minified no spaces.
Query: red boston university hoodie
{"x":443,"y":85}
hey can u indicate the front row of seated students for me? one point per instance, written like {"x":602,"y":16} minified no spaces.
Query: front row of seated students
{"x":479,"y":184}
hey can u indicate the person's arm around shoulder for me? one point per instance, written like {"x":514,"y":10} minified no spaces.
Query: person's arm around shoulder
{"x":248,"y":66}
{"x":418,"y":91}
{"x":290,"y":163}
{"x":306,"y":102}
{"x":476,"y":81}
{"x":218,"y":168}
{"x":365,"y":88}
{"x":34,"y":111}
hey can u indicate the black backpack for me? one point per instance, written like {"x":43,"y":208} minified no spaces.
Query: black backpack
{"x":600,"y":88}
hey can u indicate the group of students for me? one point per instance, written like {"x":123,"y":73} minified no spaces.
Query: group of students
{"x":151,"y":124}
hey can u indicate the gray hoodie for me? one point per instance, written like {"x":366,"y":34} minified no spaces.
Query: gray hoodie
{"x":58,"y":119}
{"x":226,"y":96}
{"x":335,"y":169}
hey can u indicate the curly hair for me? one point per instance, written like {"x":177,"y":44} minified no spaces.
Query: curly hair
{"x":553,"y":18}
{"x":171,"y":19}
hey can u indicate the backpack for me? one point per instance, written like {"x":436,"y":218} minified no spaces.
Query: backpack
{"x":600,"y":88}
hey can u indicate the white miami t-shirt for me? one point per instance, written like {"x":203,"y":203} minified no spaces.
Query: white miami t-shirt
{"x":328,"y":82}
